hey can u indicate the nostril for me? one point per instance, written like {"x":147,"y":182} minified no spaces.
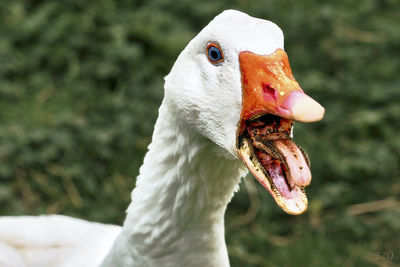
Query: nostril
{"x":269,"y":89}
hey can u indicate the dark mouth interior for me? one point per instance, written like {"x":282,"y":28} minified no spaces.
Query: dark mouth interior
{"x":270,"y":138}
{"x":269,"y":127}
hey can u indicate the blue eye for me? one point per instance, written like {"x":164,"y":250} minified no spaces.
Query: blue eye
{"x":214,"y":53}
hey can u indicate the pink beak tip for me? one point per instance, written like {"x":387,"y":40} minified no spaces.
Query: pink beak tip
{"x":305,"y":109}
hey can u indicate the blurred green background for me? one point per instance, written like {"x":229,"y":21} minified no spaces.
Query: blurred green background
{"x":81,"y":82}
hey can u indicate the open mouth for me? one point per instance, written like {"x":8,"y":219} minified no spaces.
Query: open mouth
{"x":266,"y":146}
{"x":271,"y":101}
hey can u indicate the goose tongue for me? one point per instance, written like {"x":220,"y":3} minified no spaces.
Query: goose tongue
{"x":296,"y":167}
{"x":286,"y":164}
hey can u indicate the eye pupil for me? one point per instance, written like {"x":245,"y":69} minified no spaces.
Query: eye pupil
{"x":214,"y":53}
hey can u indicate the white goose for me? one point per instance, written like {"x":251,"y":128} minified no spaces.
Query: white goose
{"x":229,"y":95}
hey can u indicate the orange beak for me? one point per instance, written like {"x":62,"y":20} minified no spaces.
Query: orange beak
{"x":269,"y":87}
{"x":271,"y":101}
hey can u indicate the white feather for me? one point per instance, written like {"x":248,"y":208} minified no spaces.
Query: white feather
{"x":53,"y":240}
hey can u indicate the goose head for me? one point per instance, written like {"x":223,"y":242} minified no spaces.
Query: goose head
{"x":233,"y":85}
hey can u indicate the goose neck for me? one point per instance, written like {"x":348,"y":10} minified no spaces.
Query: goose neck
{"x":181,"y":194}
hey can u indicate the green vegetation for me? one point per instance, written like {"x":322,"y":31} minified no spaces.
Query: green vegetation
{"x":81,"y":81}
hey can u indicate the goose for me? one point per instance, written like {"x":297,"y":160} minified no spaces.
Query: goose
{"x":229,"y":105}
